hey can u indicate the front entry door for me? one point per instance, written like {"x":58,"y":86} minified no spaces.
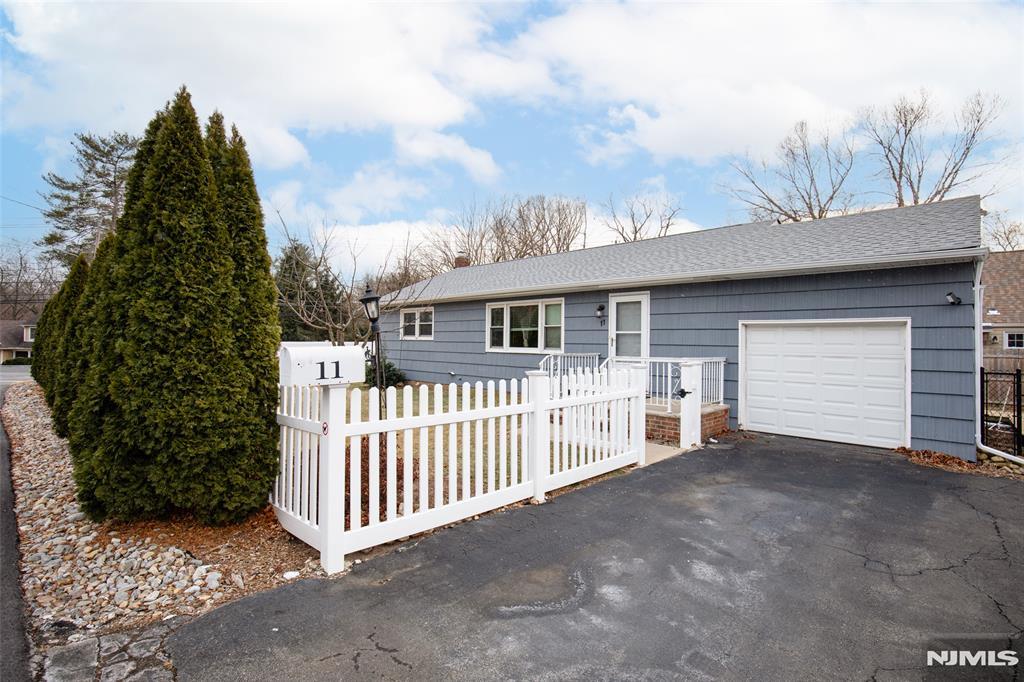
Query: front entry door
{"x":629,"y":326}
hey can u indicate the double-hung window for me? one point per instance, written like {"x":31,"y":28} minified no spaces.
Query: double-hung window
{"x":525,"y":326}
{"x":417,"y":323}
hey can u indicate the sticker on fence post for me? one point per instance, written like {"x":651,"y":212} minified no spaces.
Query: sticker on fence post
{"x":323,"y":428}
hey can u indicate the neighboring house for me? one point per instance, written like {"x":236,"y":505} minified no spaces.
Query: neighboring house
{"x":857,"y":328}
{"x":1003,"y":325}
{"x":16,"y":337}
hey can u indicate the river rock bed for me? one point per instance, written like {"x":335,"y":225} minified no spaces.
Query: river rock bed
{"x":78,"y":575}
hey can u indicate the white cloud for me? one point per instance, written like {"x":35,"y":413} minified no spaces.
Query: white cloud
{"x":272,"y":147}
{"x":700,"y":81}
{"x":284,"y":202}
{"x":424,"y":146}
{"x":274,"y":67}
{"x":367,"y":247}
{"x":375,"y":189}
{"x":691,"y":81}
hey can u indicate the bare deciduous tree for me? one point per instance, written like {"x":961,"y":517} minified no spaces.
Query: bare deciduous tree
{"x":26,"y":283}
{"x":317,"y":293}
{"x":640,"y":217}
{"x":920,"y":166}
{"x":506,"y":229}
{"x":1002,"y":234}
{"x":806,"y":181}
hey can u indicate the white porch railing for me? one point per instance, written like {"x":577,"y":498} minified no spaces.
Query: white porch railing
{"x":663,"y":379}
{"x":569,"y":363}
{"x":350,"y":480}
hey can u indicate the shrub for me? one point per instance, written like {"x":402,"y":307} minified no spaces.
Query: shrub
{"x":111,"y":476}
{"x":392,"y":375}
{"x":61,"y":390}
{"x":18,"y":361}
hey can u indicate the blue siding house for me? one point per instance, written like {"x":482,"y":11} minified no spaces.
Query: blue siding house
{"x":858,"y":328}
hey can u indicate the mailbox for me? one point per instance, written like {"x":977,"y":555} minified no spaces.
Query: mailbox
{"x":321,"y":364}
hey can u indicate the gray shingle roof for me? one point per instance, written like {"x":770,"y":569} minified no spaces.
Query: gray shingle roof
{"x":883,"y":236}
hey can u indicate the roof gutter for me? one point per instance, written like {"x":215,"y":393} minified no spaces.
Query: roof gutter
{"x":932,"y":257}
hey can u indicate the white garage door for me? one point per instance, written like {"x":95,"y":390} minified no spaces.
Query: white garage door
{"x":844,"y":382}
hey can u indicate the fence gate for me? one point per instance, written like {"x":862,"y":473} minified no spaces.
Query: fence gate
{"x":1001,"y":411}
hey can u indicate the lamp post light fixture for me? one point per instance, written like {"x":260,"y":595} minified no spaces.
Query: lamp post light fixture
{"x":371,"y":304}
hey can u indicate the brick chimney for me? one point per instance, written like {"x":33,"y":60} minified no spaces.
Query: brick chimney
{"x":462,"y":261}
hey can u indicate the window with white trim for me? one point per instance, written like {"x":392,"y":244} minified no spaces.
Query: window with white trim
{"x":417,"y":323}
{"x":526,"y":326}
{"x":29,"y":334}
{"x":1013,"y":340}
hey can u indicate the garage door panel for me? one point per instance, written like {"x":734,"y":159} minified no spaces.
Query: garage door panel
{"x":886,"y":398}
{"x":799,"y":364}
{"x":841,"y":381}
{"x":801,"y":421}
{"x":798,"y":391}
{"x":762,"y":416}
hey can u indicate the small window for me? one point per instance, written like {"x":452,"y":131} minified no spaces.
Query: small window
{"x":418,"y":323}
{"x":552,"y":326}
{"x":533,"y":326}
{"x":1013,"y":340}
{"x":29,"y":334}
{"x":496,"y":328}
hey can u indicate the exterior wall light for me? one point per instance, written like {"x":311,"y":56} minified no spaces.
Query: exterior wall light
{"x":952,"y":298}
{"x":599,"y":313}
{"x":371,"y":304}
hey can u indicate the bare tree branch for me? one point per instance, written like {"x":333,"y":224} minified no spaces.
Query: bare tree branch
{"x":632,"y":221}
{"x":907,"y":146}
{"x":806,"y":180}
{"x":26,"y":283}
{"x":1002,"y":234}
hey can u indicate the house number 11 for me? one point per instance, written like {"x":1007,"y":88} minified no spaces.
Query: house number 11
{"x":323,"y":369}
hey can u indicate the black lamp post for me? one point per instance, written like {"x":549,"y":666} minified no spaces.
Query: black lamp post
{"x":371,"y":304}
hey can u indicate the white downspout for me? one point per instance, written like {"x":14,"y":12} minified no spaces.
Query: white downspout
{"x":979,"y":349}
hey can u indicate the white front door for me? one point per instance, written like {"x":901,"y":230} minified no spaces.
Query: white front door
{"x":629,"y":325}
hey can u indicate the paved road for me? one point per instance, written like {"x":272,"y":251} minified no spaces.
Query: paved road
{"x":771,"y":558}
{"x":13,"y":644}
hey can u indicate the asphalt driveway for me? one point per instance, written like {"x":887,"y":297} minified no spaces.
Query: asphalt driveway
{"x":770,"y":558}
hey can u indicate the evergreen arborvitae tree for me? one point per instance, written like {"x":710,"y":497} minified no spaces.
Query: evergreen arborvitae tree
{"x":180,"y":384}
{"x":64,"y":346}
{"x":110,"y":476}
{"x":255,"y":325}
{"x":42,"y":346}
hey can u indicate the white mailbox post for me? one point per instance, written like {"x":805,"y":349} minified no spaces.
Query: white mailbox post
{"x":333,"y":368}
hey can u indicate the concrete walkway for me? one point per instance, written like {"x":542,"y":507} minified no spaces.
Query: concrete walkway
{"x":764,"y":558}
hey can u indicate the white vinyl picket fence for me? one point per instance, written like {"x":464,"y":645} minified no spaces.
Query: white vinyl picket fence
{"x":351,"y":478}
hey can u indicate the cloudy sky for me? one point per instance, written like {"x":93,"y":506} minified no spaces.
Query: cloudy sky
{"x":385,"y":119}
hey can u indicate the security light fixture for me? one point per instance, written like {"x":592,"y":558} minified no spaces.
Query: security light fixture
{"x":952,"y":298}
